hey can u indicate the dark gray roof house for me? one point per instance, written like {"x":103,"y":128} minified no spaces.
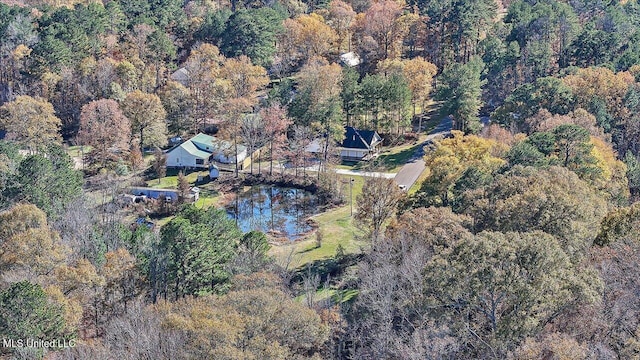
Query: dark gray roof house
{"x":359,"y":144}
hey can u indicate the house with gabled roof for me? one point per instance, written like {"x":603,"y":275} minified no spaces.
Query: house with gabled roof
{"x":360,"y":144}
{"x":202,"y":150}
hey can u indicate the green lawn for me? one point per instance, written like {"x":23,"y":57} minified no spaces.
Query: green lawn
{"x":337,"y":227}
{"x":390,"y":160}
{"x":393,"y":159}
{"x":171,"y":180}
{"x":77,"y":151}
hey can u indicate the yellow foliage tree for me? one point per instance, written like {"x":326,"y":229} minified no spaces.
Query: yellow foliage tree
{"x":451,"y":158}
{"x":602,"y":83}
{"x":256,"y":320}
{"x":613,"y":180}
{"x":31,"y":122}
{"x":30,"y":250}
{"x":311,"y":36}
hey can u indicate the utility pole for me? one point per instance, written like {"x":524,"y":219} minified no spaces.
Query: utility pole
{"x":351,"y":195}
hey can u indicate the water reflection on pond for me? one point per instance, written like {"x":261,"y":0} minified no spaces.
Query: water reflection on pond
{"x":282,"y":212}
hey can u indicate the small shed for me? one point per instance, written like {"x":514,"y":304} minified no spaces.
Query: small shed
{"x":214,"y":172}
{"x":350,"y":59}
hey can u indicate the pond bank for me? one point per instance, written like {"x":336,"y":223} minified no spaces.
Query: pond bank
{"x":280,"y":212}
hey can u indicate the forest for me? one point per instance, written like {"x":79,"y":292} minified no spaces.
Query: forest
{"x":519,"y":240}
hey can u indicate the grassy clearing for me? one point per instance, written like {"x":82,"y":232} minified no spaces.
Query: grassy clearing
{"x":390,"y":160}
{"x":171,"y":180}
{"x":335,"y":295}
{"x":337,"y":228}
{"x":393,"y":159}
{"x":205,"y":202}
{"x":77,"y":151}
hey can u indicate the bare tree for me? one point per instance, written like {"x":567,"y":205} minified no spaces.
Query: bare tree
{"x":253,"y":134}
{"x":183,"y":187}
{"x":160,"y":164}
{"x":377,"y":202}
{"x":311,"y":281}
{"x":297,"y":148}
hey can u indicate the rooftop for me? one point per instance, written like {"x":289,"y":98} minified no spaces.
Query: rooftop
{"x":360,"y":139}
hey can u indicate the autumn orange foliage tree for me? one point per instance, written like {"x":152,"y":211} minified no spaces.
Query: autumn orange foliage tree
{"x":105,"y":129}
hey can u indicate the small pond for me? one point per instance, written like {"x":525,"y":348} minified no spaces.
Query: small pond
{"x":280,"y":212}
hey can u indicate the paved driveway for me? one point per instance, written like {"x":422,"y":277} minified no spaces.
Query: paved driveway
{"x":366,"y":173}
{"x":411,"y":171}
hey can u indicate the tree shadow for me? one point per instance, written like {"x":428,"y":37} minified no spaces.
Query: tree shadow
{"x":331,"y":268}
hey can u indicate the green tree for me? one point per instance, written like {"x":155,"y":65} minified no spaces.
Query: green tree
{"x":526,"y":154}
{"x":370,"y":104}
{"x":526,"y":100}
{"x":251,"y":254}
{"x":552,"y":200}
{"x":197,"y":244}
{"x":633,"y":172}
{"x":27,"y":313}
{"x":498,"y":288}
{"x":9,"y":161}
{"x":48,"y":182}
{"x":161,"y":52}
{"x":460,"y":89}
{"x":574,"y":150}
{"x":252,"y":32}
{"x":147,"y":118}
{"x":213,"y":26}
{"x":176,"y":100}
{"x":349,"y":93}
{"x":544,"y":142}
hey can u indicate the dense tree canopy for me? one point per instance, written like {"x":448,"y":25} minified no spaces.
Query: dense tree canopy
{"x":50,"y":181}
{"x":147,"y":117}
{"x":529,"y":246}
{"x":460,"y":89}
{"x":104,"y":127}
{"x":194,"y":248}
{"x":31,"y":122}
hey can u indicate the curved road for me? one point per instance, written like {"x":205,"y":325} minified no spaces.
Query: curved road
{"x":411,"y":171}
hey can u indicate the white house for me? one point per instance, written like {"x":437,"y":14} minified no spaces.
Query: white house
{"x":202,"y":149}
